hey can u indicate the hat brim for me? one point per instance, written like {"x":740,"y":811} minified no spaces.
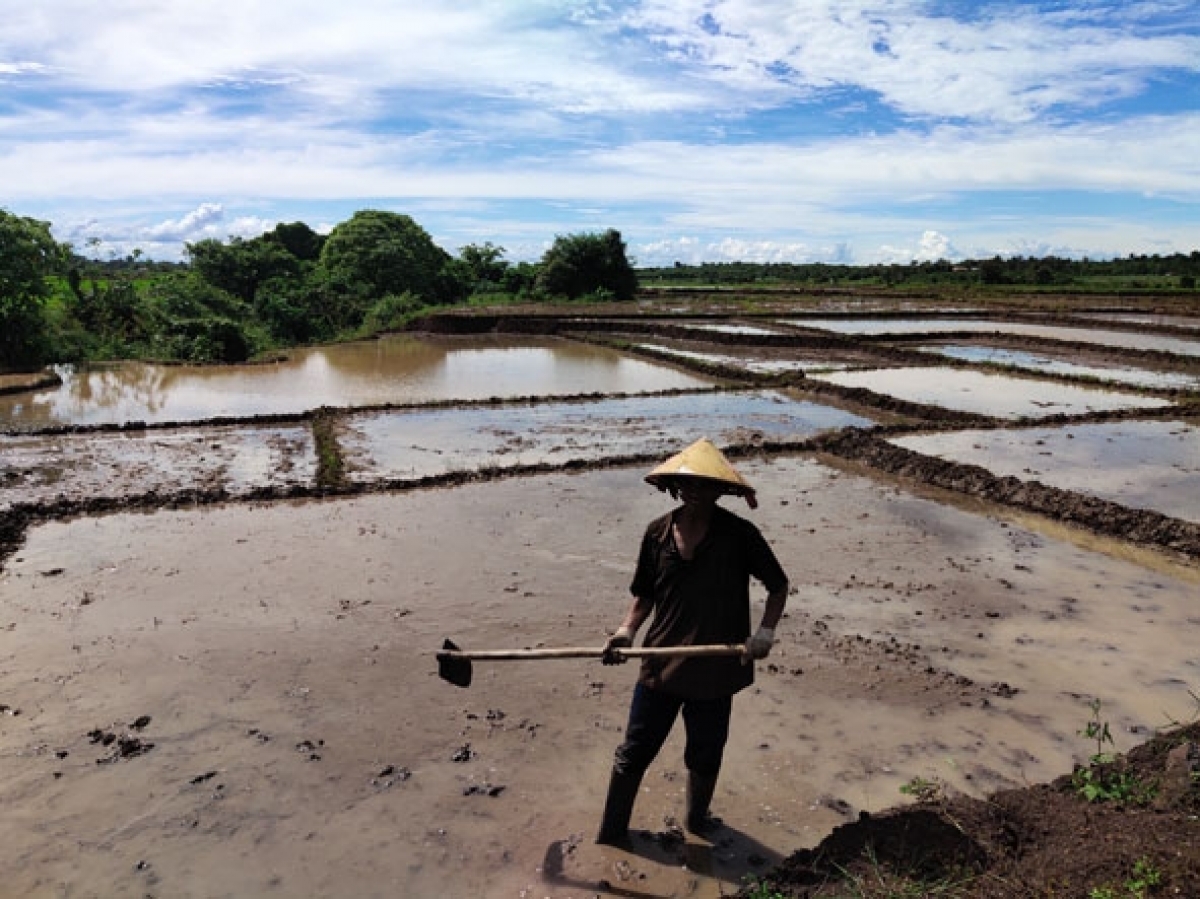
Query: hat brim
{"x":670,"y":482}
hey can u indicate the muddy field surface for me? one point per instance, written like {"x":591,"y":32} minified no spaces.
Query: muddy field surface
{"x":244,"y":701}
{"x":218,"y":639}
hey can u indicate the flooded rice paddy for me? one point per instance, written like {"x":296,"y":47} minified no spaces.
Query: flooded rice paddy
{"x":987,"y":393}
{"x":1143,"y":464}
{"x":1190,"y":323}
{"x":749,"y":363}
{"x":753,"y":330}
{"x":239,"y":460}
{"x":251,"y":609}
{"x":903,"y":326}
{"x":395,"y":369}
{"x":397,"y":445}
{"x":1040,"y":362}
{"x":420,"y":444}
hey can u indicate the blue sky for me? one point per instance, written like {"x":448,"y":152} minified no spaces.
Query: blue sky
{"x":703,"y":130}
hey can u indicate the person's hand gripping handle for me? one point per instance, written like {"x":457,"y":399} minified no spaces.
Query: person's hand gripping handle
{"x":622,"y":638}
{"x":759,"y":645}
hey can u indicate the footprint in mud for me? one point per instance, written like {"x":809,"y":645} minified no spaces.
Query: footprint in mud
{"x":390,"y":775}
{"x":126,"y":746}
{"x":309,"y":748}
{"x":484,"y":789}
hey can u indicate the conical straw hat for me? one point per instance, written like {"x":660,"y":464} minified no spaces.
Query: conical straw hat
{"x":703,"y":460}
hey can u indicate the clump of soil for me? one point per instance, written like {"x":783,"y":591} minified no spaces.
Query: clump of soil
{"x":1046,"y":840}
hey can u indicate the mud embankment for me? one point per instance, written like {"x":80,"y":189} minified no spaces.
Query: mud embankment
{"x":1097,"y":515}
{"x":27,"y":382}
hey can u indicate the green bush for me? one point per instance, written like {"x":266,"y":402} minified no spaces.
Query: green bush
{"x":391,"y":312}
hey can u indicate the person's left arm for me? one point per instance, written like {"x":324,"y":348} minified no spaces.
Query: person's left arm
{"x":770,"y":572}
{"x":760,"y":642}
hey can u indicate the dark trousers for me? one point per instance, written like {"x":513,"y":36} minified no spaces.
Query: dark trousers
{"x":652,"y":714}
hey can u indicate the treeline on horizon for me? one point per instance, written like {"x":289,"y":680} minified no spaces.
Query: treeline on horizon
{"x":236,"y":299}
{"x":1178,"y":270}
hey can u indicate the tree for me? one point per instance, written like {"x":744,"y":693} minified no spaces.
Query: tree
{"x":317,"y":308}
{"x":486,"y":264}
{"x":386,"y":253}
{"x":241,"y":266}
{"x":298,"y":239}
{"x":580,"y":264}
{"x":28,"y":255}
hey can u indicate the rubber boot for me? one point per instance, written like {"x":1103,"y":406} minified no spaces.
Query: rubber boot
{"x":618,"y":807}
{"x":699,"y":795}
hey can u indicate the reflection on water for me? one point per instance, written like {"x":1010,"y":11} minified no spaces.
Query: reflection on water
{"x":1145,"y":464}
{"x":763,"y":366}
{"x":431,"y":442}
{"x":1124,"y":339}
{"x":396,"y":369}
{"x":1145,"y":318}
{"x":1138,"y":377}
{"x":987,"y":394}
{"x":755,"y":330}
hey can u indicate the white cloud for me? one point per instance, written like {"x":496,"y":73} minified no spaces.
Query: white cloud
{"x":163,"y":240}
{"x":1152,"y":156}
{"x":934,"y":246}
{"x":645,"y":112}
{"x":20,"y":68}
{"x":931,"y":246}
{"x":203,"y":217}
{"x":1003,"y":64}
{"x":344,"y":53}
{"x":693,"y":251}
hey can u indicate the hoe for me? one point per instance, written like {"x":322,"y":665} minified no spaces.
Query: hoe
{"x":454,"y":664}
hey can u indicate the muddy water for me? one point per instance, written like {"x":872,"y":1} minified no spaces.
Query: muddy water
{"x":422,"y":443}
{"x":1137,"y":377}
{"x":239,"y":460}
{"x":1190,"y":322}
{"x":988,"y":393}
{"x":395,"y":445}
{"x":303,"y":744}
{"x":1100,"y":337}
{"x":749,"y":363}
{"x":1141,"y":464}
{"x":733,"y":329}
{"x":395,"y":369}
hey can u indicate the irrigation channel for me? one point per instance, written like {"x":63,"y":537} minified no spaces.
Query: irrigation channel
{"x":222,"y":590}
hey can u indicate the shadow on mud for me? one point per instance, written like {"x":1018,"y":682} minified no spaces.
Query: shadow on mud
{"x":732,"y":857}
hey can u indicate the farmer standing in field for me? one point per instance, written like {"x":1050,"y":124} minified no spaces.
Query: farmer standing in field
{"x":693,"y":573}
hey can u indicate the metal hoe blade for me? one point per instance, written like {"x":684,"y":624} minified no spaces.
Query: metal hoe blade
{"x":453,"y":668}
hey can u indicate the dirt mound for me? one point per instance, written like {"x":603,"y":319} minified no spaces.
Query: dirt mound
{"x":1139,"y":836}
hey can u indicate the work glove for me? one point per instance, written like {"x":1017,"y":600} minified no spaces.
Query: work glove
{"x":622,"y":638}
{"x":759,"y":645}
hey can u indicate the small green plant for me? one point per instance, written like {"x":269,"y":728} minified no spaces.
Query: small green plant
{"x":1145,"y":878}
{"x":1097,"y":729}
{"x":757,"y":888}
{"x":1141,"y":883}
{"x":923,"y":790}
{"x":1099,"y":781}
